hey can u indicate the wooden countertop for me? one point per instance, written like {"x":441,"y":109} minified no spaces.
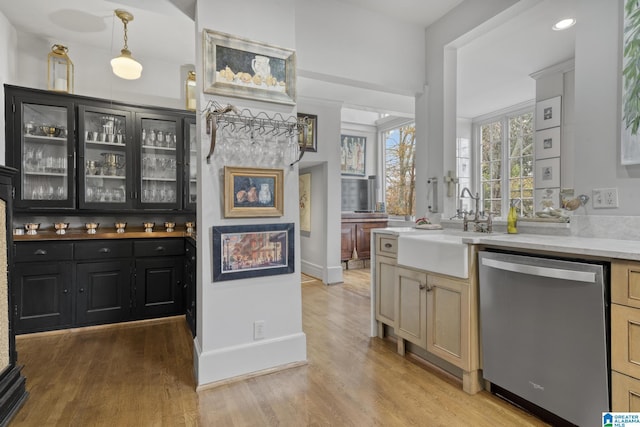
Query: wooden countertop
{"x":106,"y":234}
{"x":364,"y":216}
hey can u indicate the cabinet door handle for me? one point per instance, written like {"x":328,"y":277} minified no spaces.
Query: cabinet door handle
{"x":65,"y":291}
{"x":160,"y":249}
{"x":388,"y":245}
{"x":40,"y":252}
{"x":104,"y":250}
{"x":422,"y":286}
{"x":81,"y":290}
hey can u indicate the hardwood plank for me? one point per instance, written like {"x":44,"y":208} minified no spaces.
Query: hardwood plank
{"x":140,"y":374}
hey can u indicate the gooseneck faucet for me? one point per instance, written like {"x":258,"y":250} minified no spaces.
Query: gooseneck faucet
{"x":476,"y":220}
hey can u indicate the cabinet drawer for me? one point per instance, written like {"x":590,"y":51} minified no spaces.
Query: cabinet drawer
{"x":625,"y":340}
{"x":158,"y":247}
{"x":625,"y":393}
{"x":103,"y":249}
{"x":386,"y":245}
{"x":43,"y":251}
{"x":625,"y":283}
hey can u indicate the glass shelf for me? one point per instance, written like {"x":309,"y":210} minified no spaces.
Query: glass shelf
{"x":43,"y":138}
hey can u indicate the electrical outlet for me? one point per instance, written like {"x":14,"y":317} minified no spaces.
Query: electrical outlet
{"x":605,"y":198}
{"x":258,"y":330}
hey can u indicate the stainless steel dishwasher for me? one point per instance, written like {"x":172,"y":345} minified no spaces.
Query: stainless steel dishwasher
{"x":544,"y":330}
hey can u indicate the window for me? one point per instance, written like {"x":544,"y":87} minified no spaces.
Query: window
{"x":505,"y":149}
{"x":400,"y":170}
{"x":463,"y":171}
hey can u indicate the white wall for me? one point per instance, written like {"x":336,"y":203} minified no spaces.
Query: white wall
{"x":320,"y":251}
{"x":161,"y":83}
{"x":436,"y":121}
{"x":8,"y":70}
{"x":224,"y":346}
{"x":597,"y":108}
{"x":313,"y":244}
{"x":339,"y":42}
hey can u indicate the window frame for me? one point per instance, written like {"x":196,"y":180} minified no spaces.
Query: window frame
{"x":503,"y":117}
{"x":385,"y":125}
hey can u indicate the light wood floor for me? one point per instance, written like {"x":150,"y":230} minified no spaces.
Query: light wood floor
{"x":141,"y":375}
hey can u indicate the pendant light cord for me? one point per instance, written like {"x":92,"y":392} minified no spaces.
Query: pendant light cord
{"x":124,"y":21}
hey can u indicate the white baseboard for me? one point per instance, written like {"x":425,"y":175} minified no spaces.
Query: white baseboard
{"x":229,"y":362}
{"x":312,"y":269}
{"x":334,"y":275}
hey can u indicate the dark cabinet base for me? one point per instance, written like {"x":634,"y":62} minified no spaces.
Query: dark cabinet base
{"x":13,"y":394}
{"x":42,"y":296}
{"x":97,"y":282}
{"x":158,"y":287}
{"x":103,"y":292}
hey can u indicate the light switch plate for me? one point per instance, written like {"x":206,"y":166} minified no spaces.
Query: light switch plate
{"x":605,"y":198}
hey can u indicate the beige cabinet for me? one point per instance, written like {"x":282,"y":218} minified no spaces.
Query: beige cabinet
{"x":625,"y":336}
{"x":435,"y":312}
{"x":448,"y":319}
{"x":411,"y":306}
{"x":625,"y":393}
{"x":385,"y":291}
{"x":386,"y":250}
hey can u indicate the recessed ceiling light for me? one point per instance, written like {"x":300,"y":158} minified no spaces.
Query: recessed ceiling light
{"x":564,"y":24}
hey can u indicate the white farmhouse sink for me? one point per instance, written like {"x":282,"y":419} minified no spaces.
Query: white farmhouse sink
{"x":437,"y":252}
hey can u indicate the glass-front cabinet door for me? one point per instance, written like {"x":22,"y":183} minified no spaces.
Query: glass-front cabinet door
{"x":191,"y":163}
{"x":159,"y":161}
{"x":45,"y":154}
{"x":105,"y":167}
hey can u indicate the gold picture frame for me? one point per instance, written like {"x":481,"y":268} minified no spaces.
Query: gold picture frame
{"x":243,"y":68}
{"x":253,"y":192}
{"x":310,"y":143}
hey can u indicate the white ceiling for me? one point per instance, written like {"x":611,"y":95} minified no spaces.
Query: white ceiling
{"x":420,"y":12}
{"x":494,"y":69}
{"x":493,"y":73}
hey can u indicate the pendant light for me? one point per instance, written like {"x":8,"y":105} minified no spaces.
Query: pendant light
{"x":124,"y":66}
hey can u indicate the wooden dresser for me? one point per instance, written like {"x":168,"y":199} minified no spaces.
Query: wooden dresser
{"x":356,"y":234}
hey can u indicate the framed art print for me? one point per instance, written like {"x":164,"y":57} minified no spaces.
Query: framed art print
{"x":353,"y":155}
{"x":630,"y":84}
{"x":548,"y":173}
{"x":238,"y":67}
{"x":308,"y":138}
{"x":548,"y":113}
{"x":253,"y":192}
{"x":304,"y":182}
{"x":548,"y":143}
{"x":246,"y":251}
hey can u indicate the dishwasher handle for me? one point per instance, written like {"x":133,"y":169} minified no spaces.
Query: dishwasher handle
{"x":534,"y":270}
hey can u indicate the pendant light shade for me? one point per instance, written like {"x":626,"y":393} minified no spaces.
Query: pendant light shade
{"x":124,"y":66}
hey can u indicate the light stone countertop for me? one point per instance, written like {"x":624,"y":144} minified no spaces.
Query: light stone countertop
{"x":568,"y":245}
